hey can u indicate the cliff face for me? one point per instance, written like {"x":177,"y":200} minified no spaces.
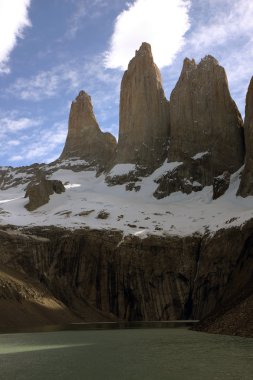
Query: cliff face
{"x":26,"y":303}
{"x":204,"y":118}
{"x":227,"y":286}
{"x":130,"y":279}
{"x":97,"y":274}
{"x":85,"y":140}
{"x":225,"y":269}
{"x":246,"y":186}
{"x":144,"y":112}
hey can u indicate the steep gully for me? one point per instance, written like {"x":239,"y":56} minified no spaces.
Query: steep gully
{"x":99,"y":275}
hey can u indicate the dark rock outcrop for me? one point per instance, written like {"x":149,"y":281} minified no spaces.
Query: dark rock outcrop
{"x":225,"y":269}
{"x":221,"y":184}
{"x":233,"y":318}
{"x":98,"y":275}
{"x":224,"y":280}
{"x":144,"y":112}
{"x":204,"y":118}
{"x":188,"y":176}
{"x":39,"y":192}
{"x":246,"y":185}
{"x":132,"y":279}
{"x":85,"y":140}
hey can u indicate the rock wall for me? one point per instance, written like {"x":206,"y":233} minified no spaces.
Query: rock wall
{"x":225,"y":268}
{"x":85,"y":140}
{"x":204,"y":118}
{"x":144,"y":112}
{"x":98,"y":274}
{"x":133,"y":279}
{"x":26,"y":303}
{"x":246,"y":186}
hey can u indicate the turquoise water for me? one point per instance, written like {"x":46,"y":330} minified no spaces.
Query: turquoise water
{"x":125,"y":354}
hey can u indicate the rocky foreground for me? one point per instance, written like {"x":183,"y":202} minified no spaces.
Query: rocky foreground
{"x":158,"y":226}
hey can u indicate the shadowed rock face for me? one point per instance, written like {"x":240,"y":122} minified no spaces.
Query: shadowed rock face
{"x":204,"y":117}
{"x":156,"y":278}
{"x":220,"y":185}
{"x":85,"y":140}
{"x":144,"y":112}
{"x":246,"y":186}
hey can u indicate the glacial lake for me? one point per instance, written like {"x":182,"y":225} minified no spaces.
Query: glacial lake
{"x":120,"y":352}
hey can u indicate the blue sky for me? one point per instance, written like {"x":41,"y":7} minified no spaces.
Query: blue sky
{"x":51,"y":49}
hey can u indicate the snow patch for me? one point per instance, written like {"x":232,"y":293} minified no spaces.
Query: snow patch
{"x":72,"y":185}
{"x":121,"y":169}
{"x":135,"y":213}
{"x":167,"y":167}
{"x":200,"y":155}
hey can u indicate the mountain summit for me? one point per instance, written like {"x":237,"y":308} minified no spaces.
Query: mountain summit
{"x":85,"y":140}
{"x":144,"y":112}
{"x":204,"y":117}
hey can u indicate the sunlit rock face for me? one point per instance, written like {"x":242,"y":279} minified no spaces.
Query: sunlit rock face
{"x":246,"y":186}
{"x":85,"y":140}
{"x":144,"y":112}
{"x":204,"y":118}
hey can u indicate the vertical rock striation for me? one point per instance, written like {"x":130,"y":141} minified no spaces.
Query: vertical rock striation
{"x":85,"y":140}
{"x":144,"y":112}
{"x":204,"y":118}
{"x":246,"y":185}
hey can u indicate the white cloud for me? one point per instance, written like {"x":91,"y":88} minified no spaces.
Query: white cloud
{"x":161,"y":23}
{"x":45,"y":84}
{"x":44,"y":145}
{"x":85,"y":9}
{"x":231,"y":20}
{"x":16,"y":158}
{"x":13,"y":142}
{"x":13,"y":20}
{"x":76,"y":20}
{"x":72,"y":76}
{"x":16,"y":125}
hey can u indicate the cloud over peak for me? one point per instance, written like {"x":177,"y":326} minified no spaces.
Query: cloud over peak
{"x":13,"y":19}
{"x":162,"y":23}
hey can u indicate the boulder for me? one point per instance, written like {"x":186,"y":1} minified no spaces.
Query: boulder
{"x":144,"y":112}
{"x":39,"y":192}
{"x":85,"y":140}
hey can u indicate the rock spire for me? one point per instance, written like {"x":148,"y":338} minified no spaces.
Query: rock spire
{"x":246,"y":185}
{"x":204,"y":118}
{"x":85,"y":140}
{"x":144,"y":112}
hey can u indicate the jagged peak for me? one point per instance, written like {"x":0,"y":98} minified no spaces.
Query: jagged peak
{"x":209,"y":59}
{"x":83,"y":96}
{"x":145,"y":49}
{"x":189,"y":64}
